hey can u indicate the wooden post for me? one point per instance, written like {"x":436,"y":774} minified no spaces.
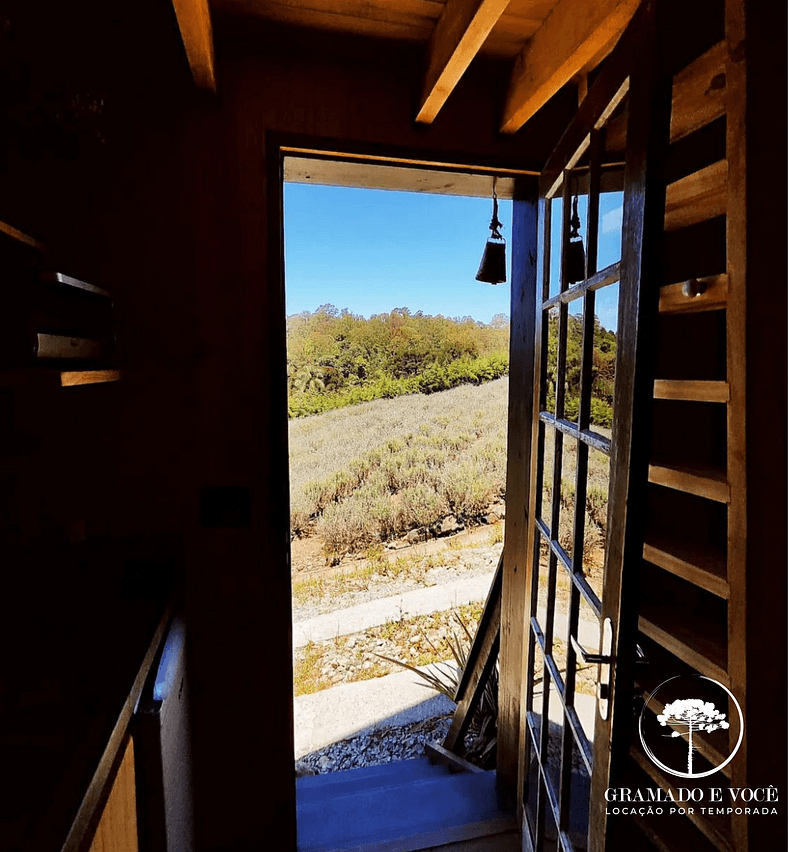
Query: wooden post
{"x":514,"y":616}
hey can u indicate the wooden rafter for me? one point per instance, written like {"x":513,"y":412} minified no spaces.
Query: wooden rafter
{"x":459,"y":33}
{"x":570,"y":38}
{"x":194,"y":21}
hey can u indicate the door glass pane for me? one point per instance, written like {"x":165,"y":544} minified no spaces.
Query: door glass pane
{"x":595,"y":532}
{"x":574,"y":359}
{"x":551,"y":326}
{"x":579,"y":791}
{"x":566,"y":518}
{"x":531,"y":787}
{"x":546,"y":495}
{"x":605,"y":344}
{"x":556,"y":729}
{"x":560,"y":627}
{"x":611,"y":211}
{"x":585,"y":684}
{"x":556,"y":226}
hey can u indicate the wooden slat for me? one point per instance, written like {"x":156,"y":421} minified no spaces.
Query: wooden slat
{"x":699,"y":92}
{"x":744,"y":248}
{"x":450,"y":166}
{"x":20,"y":237}
{"x":417,"y":16}
{"x":88,"y":377}
{"x":117,"y":830}
{"x":369,"y":19}
{"x":664,"y":835}
{"x":713,"y":829}
{"x":481,"y":659}
{"x":604,"y":95}
{"x":194,"y":21}
{"x":438,"y":754}
{"x":697,"y":197}
{"x":673,"y":301}
{"x":698,"y":99}
{"x":703,"y":655}
{"x":461,"y":30}
{"x":573,"y":33}
{"x":691,"y":561}
{"x":691,"y":391}
{"x":703,"y":482}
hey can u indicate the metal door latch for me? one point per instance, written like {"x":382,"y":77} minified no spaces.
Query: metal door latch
{"x":605,"y":661}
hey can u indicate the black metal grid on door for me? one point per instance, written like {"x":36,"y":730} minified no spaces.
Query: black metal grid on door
{"x":559,"y":756}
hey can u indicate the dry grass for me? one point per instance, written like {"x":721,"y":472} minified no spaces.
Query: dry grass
{"x":365,"y":474}
{"x":369,"y":473}
{"x":377,"y":567}
{"x":420,"y":640}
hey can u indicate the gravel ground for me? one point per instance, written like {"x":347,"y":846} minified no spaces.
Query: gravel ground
{"x":394,"y":742}
{"x":380,"y":746}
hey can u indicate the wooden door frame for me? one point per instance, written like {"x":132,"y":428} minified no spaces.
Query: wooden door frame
{"x":278,"y":146}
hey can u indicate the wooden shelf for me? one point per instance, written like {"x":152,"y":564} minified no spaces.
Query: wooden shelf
{"x":716,"y":829}
{"x":697,"y":197}
{"x":701,"y":565}
{"x":68,"y":281}
{"x":673,"y":301}
{"x":71,"y":378}
{"x":675,"y":637}
{"x":686,"y":621}
{"x":678,"y":618}
{"x":698,"y":98}
{"x":699,"y":92}
{"x":662,"y":666}
{"x":20,"y":237}
{"x":701,"y":481}
{"x":691,"y":390}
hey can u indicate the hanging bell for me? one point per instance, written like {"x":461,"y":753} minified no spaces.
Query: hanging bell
{"x":492,"y":269}
{"x":575,"y":258}
{"x":575,"y":262}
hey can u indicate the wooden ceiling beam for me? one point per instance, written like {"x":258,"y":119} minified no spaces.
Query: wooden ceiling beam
{"x":194,"y":21}
{"x":571,"y":36}
{"x":459,"y":33}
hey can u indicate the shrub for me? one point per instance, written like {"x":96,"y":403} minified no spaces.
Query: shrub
{"x":468,"y":489}
{"x":422,"y":506}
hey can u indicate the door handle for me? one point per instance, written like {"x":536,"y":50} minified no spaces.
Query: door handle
{"x":605,"y":661}
{"x":588,"y":656}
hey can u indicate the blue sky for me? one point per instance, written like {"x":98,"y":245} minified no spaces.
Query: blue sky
{"x":374,"y":250}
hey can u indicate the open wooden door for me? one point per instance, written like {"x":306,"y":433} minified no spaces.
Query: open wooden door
{"x":593,"y":385}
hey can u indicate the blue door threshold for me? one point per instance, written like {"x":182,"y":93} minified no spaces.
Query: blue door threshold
{"x":404,"y":806}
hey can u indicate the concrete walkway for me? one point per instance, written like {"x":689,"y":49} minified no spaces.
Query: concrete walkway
{"x":422,"y":601}
{"x":350,"y":709}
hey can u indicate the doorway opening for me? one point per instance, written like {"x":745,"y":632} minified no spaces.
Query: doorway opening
{"x":397,"y":393}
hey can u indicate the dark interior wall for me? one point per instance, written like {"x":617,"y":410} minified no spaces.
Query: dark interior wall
{"x":176,"y":216}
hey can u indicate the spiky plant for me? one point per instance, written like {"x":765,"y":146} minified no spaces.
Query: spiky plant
{"x":481,"y":738}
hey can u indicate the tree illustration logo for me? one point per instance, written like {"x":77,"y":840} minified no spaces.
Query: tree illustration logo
{"x":691,"y":719}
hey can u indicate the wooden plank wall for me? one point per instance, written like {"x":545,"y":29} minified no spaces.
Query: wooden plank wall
{"x":178,"y":220}
{"x":117,"y":829}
